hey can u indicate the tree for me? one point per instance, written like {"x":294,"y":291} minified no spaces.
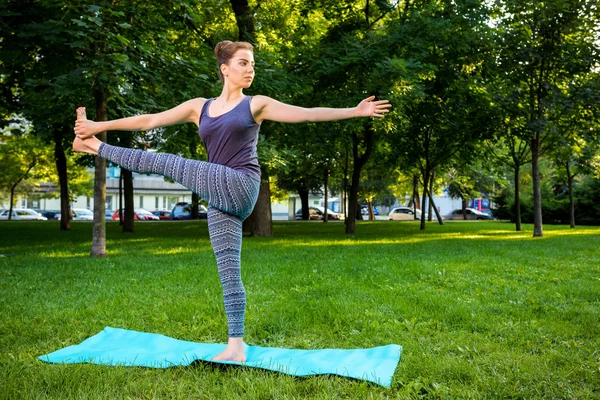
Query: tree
{"x":358,"y":44}
{"x":447,"y":112}
{"x":575,"y":148}
{"x":543,"y":46}
{"x":24,"y":161}
{"x":80,"y":54}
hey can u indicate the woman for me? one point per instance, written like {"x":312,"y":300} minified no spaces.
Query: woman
{"x":229,"y":181}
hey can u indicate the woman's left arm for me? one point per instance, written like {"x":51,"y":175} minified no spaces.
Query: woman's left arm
{"x":265,"y":108}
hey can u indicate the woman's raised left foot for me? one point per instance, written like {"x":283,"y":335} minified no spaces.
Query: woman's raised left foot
{"x":89,"y":146}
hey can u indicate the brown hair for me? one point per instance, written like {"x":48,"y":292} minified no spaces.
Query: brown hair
{"x":225,"y":50}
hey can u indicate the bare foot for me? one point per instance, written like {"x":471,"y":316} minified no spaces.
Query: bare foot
{"x":233,"y":352}
{"x":89,"y":146}
{"x":81,"y":113}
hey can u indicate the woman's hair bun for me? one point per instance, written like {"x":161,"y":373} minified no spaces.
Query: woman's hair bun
{"x":220,"y":46}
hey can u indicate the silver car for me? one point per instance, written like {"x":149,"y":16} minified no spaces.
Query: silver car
{"x":403,"y":214}
{"x":23,"y":214}
{"x":472,"y":214}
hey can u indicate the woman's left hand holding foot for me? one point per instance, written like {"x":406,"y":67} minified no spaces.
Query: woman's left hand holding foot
{"x":84,"y":128}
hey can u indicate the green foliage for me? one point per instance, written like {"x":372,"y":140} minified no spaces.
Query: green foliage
{"x":556,"y":204}
{"x":445,"y":112}
{"x":27,"y":161}
{"x":24,"y":161}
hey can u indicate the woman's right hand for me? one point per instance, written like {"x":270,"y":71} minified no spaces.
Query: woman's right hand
{"x":85,"y":128}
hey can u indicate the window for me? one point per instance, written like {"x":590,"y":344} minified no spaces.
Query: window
{"x":316,"y":202}
{"x":141,"y":201}
{"x":109,"y":201}
{"x":156,"y":202}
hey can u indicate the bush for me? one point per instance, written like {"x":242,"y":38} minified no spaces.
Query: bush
{"x":555,"y":206}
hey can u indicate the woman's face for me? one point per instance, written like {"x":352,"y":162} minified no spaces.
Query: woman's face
{"x":240,"y":71}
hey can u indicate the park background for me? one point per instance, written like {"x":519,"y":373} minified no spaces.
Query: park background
{"x":493,"y":99}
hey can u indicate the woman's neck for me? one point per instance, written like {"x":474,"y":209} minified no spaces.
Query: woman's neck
{"x":230,"y":93}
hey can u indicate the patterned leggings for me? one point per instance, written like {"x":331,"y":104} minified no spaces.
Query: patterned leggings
{"x":231,"y":196}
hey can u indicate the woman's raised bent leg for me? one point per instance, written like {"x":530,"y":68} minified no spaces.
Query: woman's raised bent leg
{"x":222,"y":187}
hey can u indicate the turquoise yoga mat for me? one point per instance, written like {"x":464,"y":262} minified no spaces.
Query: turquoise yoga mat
{"x":114,"y":346}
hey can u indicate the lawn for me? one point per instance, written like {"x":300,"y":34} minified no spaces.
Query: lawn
{"x":481,"y":311}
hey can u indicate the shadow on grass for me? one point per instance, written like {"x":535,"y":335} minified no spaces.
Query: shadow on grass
{"x":227,"y":368}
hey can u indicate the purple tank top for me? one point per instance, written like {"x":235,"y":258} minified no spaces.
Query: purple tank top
{"x":231,"y":138}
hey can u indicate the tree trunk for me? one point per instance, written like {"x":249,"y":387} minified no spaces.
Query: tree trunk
{"x":303,"y":193}
{"x":517,"y":198}
{"x":61,"y":169}
{"x":429,"y":192}
{"x":571,"y":198}
{"x":12,"y":199}
{"x":325,"y":203}
{"x":370,"y":210}
{"x":464,"y":207}
{"x":358,"y":215}
{"x":416,"y":202}
{"x":437,"y":213}
{"x":259,"y":223}
{"x":12,"y":189}
{"x":345,"y":187}
{"x":425,"y":186}
{"x":128,"y":215}
{"x":195,"y":197}
{"x":120,"y":208}
{"x":99,"y":228}
{"x":359,"y":162}
{"x":537,"y":194}
{"x":353,"y":201}
{"x":243,"y":16}
{"x":195,"y":202}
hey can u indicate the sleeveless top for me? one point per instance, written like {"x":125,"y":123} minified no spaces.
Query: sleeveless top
{"x":230,"y":139}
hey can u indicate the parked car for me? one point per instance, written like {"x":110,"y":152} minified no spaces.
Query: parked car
{"x":183,"y":210}
{"x":82,"y":214}
{"x":78,"y":214}
{"x":162,"y":215}
{"x":139,"y":214}
{"x":108,"y":213}
{"x":23,"y":214}
{"x":404,"y":214}
{"x":316,"y":213}
{"x":50,"y":214}
{"x":364,"y":210}
{"x":472,"y":214}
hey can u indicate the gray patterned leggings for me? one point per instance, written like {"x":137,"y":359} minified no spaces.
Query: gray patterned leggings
{"x":231,"y":196}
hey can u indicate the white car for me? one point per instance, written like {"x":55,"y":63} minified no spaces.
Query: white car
{"x":82,"y":214}
{"x":23,"y":214}
{"x":316,"y":213}
{"x":472,"y":214}
{"x":79,"y":214}
{"x":403,"y":214}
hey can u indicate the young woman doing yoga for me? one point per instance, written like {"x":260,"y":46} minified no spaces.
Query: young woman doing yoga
{"x":229,"y":181}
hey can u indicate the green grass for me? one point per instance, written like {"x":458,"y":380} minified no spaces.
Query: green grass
{"x":480,"y":310}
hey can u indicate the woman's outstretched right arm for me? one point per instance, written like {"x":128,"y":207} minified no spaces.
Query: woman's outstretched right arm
{"x":185,"y":112}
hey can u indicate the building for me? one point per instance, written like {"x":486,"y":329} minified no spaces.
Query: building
{"x":151,"y":192}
